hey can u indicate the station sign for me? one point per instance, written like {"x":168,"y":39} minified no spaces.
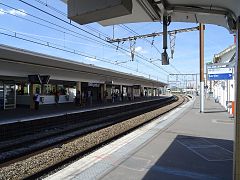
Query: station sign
{"x":220,"y":73}
{"x":93,"y":84}
{"x":34,"y":79}
{"x":38,"y":79}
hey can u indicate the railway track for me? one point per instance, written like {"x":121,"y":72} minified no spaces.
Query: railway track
{"x":31,"y":156}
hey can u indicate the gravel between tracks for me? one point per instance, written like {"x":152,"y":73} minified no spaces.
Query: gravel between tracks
{"x":39,"y":162}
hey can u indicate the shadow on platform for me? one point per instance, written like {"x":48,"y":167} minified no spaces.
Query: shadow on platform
{"x":216,"y":111}
{"x":191,"y":157}
{"x":212,"y":110}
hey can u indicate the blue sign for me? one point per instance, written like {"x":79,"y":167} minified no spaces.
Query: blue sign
{"x":225,"y":76}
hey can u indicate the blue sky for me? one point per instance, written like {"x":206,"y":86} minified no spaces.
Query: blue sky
{"x":24,"y":25}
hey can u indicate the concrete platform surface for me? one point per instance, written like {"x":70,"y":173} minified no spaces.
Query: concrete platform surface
{"x":25,"y":114}
{"x":181,"y":145}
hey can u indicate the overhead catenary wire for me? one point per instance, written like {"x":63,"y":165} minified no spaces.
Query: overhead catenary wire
{"x":57,"y":30}
{"x":50,"y":23}
{"x":94,"y":40}
{"x":62,"y":20}
{"x":46,"y":42}
{"x":64,"y":15}
{"x":69,"y":50}
{"x":171,"y":33}
{"x":76,"y":26}
{"x":57,"y":26}
{"x":152,"y":44}
{"x":50,"y":37}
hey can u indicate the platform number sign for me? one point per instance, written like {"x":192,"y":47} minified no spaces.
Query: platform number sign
{"x":220,"y":73}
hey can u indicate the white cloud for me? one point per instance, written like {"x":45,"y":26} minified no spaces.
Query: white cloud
{"x":91,"y":59}
{"x":139,"y":49}
{"x":18,"y":12}
{"x":2,"y":11}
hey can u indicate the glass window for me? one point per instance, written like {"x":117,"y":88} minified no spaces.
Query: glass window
{"x":49,"y":89}
{"x":21,"y":89}
{"x":35,"y":87}
{"x":61,"y":89}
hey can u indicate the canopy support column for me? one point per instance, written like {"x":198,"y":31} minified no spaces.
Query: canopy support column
{"x":201,"y":34}
{"x":236,"y":160}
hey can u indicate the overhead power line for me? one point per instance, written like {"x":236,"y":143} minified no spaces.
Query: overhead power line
{"x":74,"y":33}
{"x":65,"y":15}
{"x":66,"y":49}
{"x":76,"y":26}
{"x":151,"y":43}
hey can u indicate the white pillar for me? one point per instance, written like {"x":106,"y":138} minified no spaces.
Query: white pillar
{"x":201,"y":96}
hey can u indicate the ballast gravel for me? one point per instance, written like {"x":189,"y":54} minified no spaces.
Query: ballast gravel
{"x":25,"y":168}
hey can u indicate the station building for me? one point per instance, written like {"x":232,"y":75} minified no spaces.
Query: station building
{"x":224,"y":90}
{"x":20,"y":71}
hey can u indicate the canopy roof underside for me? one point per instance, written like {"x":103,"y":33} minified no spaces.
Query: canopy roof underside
{"x":218,"y":12}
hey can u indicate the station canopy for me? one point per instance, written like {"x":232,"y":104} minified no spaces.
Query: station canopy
{"x":219,"y":12}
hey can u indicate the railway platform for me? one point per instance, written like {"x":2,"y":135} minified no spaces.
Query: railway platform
{"x":181,"y":145}
{"x":21,"y":114}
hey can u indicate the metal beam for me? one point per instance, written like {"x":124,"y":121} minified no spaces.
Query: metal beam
{"x":236,"y":161}
{"x":183,"y":74}
{"x":230,"y":16}
{"x":132,"y":38}
{"x":201,"y":9}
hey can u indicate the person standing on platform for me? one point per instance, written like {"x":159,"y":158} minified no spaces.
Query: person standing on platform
{"x":89,"y":98}
{"x":105,"y":96}
{"x":83,"y":99}
{"x":78,"y":97}
{"x":36,"y":99}
{"x":113,"y":96}
{"x":56,"y":97}
{"x":129,"y":96}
